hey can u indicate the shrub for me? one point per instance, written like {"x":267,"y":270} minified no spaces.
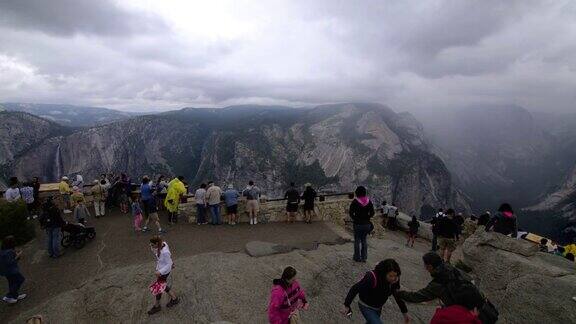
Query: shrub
{"x":13,"y":221}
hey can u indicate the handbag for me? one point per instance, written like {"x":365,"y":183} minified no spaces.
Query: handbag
{"x":158,"y":287}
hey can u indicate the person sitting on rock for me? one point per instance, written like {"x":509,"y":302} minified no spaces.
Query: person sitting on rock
{"x":286,"y":298}
{"x":374,"y":290}
{"x":164,"y":267}
{"x":504,"y":222}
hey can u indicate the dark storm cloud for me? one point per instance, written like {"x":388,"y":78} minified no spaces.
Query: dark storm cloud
{"x":407,"y":54}
{"x":68,"y":17}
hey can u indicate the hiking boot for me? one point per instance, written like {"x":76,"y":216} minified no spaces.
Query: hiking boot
{"x":173,"y":302}
{"x":10,"y":300}
{"x":154,"y":310}
{"x":22,"y":296}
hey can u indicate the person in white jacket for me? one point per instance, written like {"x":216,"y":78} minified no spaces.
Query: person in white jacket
{"x":164,"y":266}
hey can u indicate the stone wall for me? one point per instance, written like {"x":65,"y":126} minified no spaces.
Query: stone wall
{"x":332,"y":209}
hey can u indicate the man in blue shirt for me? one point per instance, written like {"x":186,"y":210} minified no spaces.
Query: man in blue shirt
{"x":231,"y":196}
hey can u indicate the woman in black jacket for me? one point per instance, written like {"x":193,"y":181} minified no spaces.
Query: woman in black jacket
{"x":374,"y":290}
{"x":361,"y":210}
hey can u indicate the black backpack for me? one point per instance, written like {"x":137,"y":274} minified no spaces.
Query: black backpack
{"x":458,"y":287}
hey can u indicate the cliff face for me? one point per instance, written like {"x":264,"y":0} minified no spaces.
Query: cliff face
{"x":335,"y":147}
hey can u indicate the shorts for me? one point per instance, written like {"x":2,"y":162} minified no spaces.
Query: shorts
{"x":292,"y":208}
{"x":446,"y":243}
{"x":309,"y":206}
{"x":232,"y":209}
{"x":413,"y":232}
{"x":252,"y":206}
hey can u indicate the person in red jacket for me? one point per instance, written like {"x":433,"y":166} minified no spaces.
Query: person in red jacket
{"x":464,"y":311}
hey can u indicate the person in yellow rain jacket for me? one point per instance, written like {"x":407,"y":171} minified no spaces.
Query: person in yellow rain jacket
{"x":176,"y":190}
{"x":65,"y":192}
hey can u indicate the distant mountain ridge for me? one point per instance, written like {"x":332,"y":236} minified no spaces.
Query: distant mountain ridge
{"x":70,"y":115}
{"x":336,"y":147}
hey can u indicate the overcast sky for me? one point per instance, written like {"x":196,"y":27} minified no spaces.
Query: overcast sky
{"x":410,"y":55}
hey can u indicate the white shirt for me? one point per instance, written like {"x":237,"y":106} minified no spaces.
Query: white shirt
{"x":200,"y":196}
{"x":12,"y":194}
{"x":164,"y":261}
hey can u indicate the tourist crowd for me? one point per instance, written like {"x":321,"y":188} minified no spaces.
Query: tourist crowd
{"x":462,"y":301}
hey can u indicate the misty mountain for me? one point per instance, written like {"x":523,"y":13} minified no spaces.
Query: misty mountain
{"x":69,"y":115}
{"x":335,"y":147}
{"x":507,"y":153}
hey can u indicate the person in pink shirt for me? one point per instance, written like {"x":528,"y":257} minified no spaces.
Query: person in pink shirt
{"x":286,"y":298}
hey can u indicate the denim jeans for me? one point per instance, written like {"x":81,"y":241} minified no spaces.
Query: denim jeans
{"x":360,"y":244}
{"x":200,"y":213}
{"x":371,"y":315}
{"x":434,"y":242}
{"x":53,"y":241}
{"x":15,"y":281}
{"x":215,"y":210}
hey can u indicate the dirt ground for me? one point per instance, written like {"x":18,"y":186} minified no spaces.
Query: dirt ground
{"x":117,"y":245}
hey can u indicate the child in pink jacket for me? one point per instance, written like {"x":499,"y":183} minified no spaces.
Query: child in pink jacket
{"x":286,"y":298}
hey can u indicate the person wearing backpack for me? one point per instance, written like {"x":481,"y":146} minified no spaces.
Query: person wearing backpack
{"x":447,"y":231}
{"x":448,"y":285}
{"x":52,"y":222}
{"x":374,"y":290}
{"x":252,"y":194}
{"x":361,"y":211}
{"x":504,"y":222}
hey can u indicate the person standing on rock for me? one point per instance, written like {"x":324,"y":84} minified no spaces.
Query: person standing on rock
{"x":9,"y":268}
{"x":447,"y":232}
{"x":52,"y":221}
{"x":361,"y":211}
{"x":99,"y":198}
{"x":65,"y":192}
{"x":176,"y":190}
{"x":504,"y":222}
{"x":435,"y":219}
{"x":309,"y":197}
{"x":231,"y":196}
{"x":413,"y":226}
{"x":200,"y":197}
{"x":374,"y":290}
{"x":252,"y":194}
{"x":12,"y":194}
{"x":161,"y":190}
{"x":286,"y":298}
{"x":146,"y":196}
{"x":213,"y":197}
{"x":292,"y":197}
{"x":164,"y":266}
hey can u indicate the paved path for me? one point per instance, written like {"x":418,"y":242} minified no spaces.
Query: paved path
{"x":117,"y":245}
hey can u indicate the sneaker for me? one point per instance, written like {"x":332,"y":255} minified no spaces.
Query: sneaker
{"x":161,"y":231}
{"x":173,"y":302}
{"x":22,"y":296}
{"x":10,"y":300}
{"x":255,"y":221}
{"x":154,"y":310}
{"x":67,"y":211}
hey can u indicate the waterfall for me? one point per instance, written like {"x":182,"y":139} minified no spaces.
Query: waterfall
{"x":57,"y":172}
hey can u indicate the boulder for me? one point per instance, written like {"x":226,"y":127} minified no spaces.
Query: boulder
{"x":527,"y":286}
